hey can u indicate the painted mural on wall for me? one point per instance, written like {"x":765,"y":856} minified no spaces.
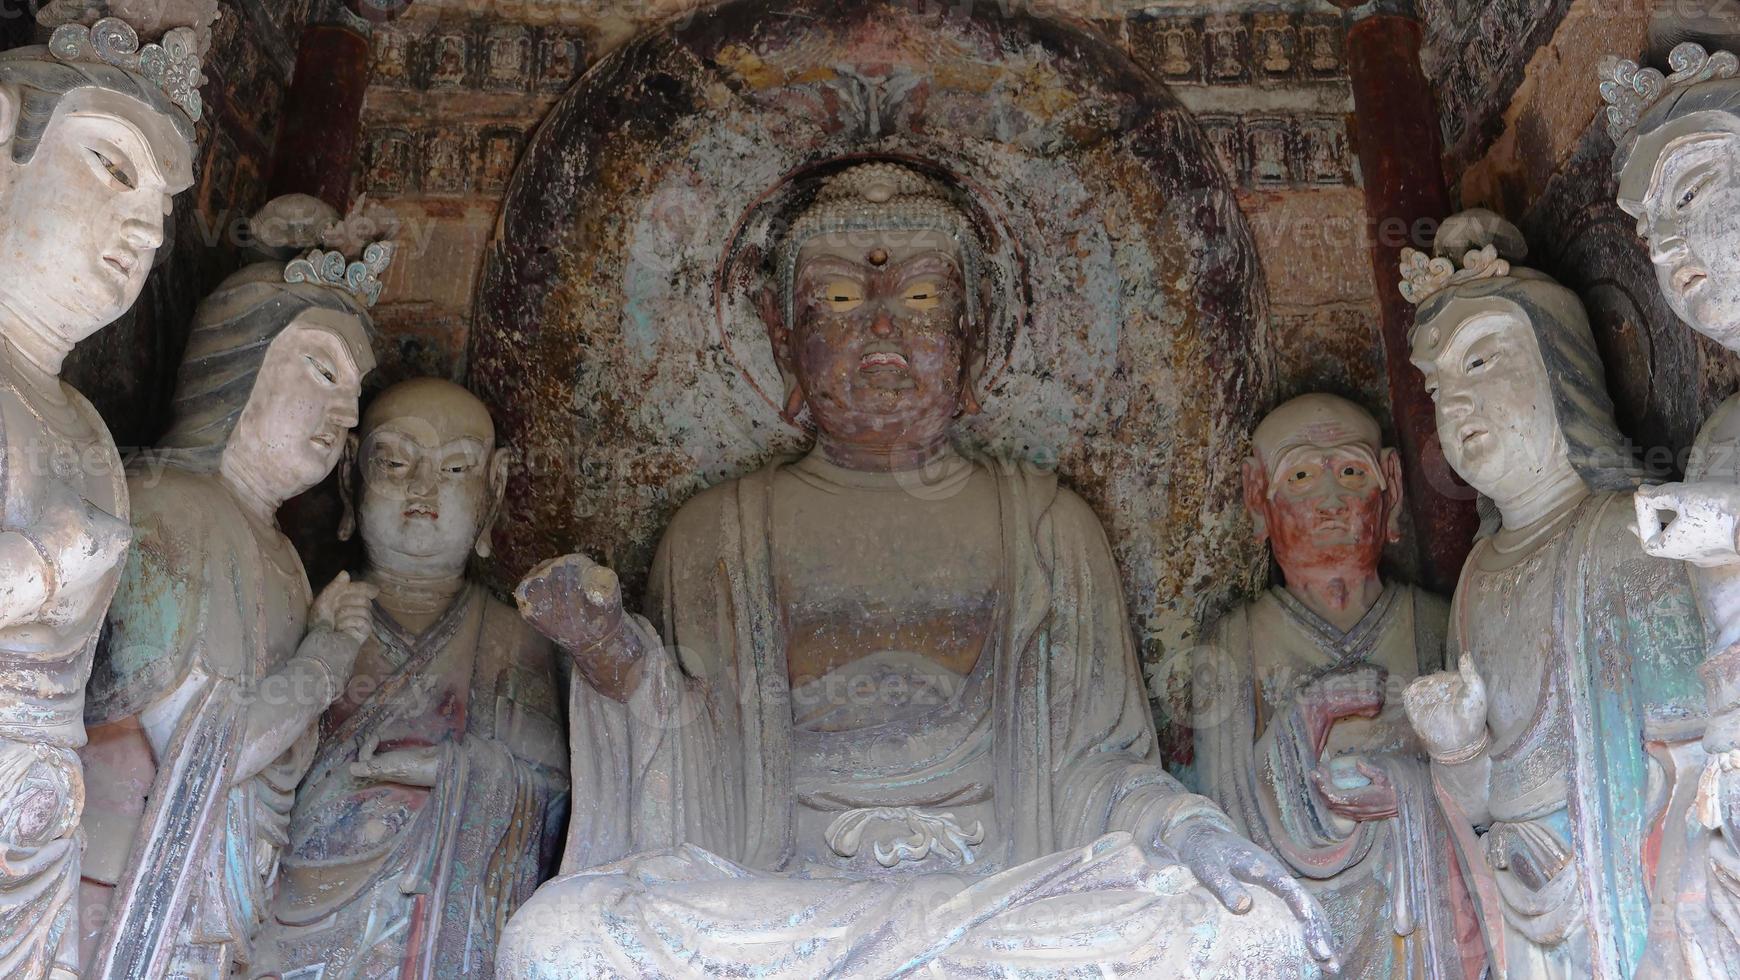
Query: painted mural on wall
{"x":617,"y":339}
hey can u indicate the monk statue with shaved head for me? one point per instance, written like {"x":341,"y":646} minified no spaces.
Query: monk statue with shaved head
{"x":1299,"y":726}
{"x":436,"y":798}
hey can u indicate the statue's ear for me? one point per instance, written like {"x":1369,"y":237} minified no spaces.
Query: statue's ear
{"x":1391,"y":461}
{"x":1256,"y":483}
{"x":500,"y":463}
{"x":347,"y":466}
{"x":773,"y":318}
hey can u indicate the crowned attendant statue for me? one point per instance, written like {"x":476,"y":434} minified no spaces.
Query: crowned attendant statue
{"x":1678,"y":164}
{"x":436,"y":801}
{"x":96,"y":138}
{"x":1297,"y":736}
{"x":1558,"y":744}
{"x":219,"y":660}
{"x":886,"y":731}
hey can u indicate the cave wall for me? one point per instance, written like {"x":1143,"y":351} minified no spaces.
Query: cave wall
{"x":459,"y":87}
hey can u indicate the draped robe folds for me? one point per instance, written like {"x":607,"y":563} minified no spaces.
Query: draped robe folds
{"x":681,"y":848}
{"x":1388,"y":886}
{"x":1708,"y":913}
{"x":45,"y":661}
{"x":1624,"y":643}
{"x":201,"y":604}
{"x":383,"y":880}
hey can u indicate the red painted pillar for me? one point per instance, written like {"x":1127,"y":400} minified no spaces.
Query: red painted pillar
{"x":1400,"y":153}
{"x":321,"y":134}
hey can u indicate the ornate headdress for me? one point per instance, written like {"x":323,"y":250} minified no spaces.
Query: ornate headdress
{"x":1631,"y":91}
{"x":328,"y":264}
{"x":1467,"y":250}
{"x":878,"y":197}
{"x":112,"y":32}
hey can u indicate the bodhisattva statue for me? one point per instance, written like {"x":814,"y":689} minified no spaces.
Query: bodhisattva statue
{"x":216,"y":667}
{"x":1564,"y":732}
{"x":1300,"y":732}
{"x":436,"y":801}
{"x":1678,"y":164}
{"x":93,"y":147}
{"x":895,"y":723}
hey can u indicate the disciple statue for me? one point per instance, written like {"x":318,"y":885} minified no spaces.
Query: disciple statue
{"x":890,"y":719}
{"x":1678,"y":164}
{"x":436,"y":800}
{"x":93,"y":147}
{"x":1559,"y":744}
{"x":1300,"y":731}
{"x":219,"y":660}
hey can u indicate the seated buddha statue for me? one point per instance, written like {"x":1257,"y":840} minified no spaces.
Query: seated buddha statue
{"x":884,"y":715}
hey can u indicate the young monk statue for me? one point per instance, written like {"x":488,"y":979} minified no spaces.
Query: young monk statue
{"x":435,"y":803}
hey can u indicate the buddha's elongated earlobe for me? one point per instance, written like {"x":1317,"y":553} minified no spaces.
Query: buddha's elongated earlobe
{"x":500,"y":463}
{"x":1391,"y":461}
{"x":1256,"y":491}
{"x":794,"y":402}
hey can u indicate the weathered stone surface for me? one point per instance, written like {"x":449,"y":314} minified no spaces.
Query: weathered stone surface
{"x":616,"y":341}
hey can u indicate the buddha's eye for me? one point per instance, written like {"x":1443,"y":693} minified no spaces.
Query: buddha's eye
{"x":1353,"y":476}
{"x":922,"y":296}
{"x":1477,"y":362}
{"x":1691,"y":193}
{"x":392,"y":464}
{"x":322,"y":371}
{"x":115,"y":173}
{"x":843,"y":295}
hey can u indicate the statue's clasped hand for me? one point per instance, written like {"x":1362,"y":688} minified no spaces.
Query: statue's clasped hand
{"x":1689,"y":522}
{"x":1224,"y":863}
{"x":419,"y":766}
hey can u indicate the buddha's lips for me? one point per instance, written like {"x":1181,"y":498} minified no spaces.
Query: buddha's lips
{"x":883,"y":359}
{"x":416,"y":511}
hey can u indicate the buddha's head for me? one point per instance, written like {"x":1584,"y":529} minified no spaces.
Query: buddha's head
{"x":876,"y":320}
{"x":1321,"y":487}
{"x":270,"y":381}
{"x":96,"y":138}
{"x":1678,"y":164}
{"x":432,"y":478}
{"x":1511,"y":365}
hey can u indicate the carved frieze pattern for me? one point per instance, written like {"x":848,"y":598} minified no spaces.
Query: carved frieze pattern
{"x":1264,"y":151}
{"x":441,"y":160}
{"x":477,"y":55}
{"x":1239,"y":49}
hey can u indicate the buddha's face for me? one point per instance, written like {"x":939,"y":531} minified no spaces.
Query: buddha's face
{"x":303,"y":404}
{"x":81,"y":222}
{"x":429,"y":477}
{"x":879,"y":344}
{"x":1494,"y":402}
{"x":1325,"y":493}
{"x":1689,"y":213}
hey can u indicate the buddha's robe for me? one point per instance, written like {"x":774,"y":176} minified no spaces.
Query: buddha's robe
{"x":1390,"y":887}
{"x":992,"y":824}
{"x":203,"y":634}
{"x":1589,"y":651}
{"x":382,"y":880}
{"x":49,"y":454}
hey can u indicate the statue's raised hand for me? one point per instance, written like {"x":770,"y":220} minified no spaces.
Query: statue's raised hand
{"x":340,"y":620}
{"x":1350,"y":692}
{"x":1689,"y":522}
{"x":1221,"y":860}
{"x":1448,"y":711}
{"x":577,"y":602}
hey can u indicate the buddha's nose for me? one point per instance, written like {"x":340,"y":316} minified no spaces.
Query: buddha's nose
{"x":883,"y":325}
